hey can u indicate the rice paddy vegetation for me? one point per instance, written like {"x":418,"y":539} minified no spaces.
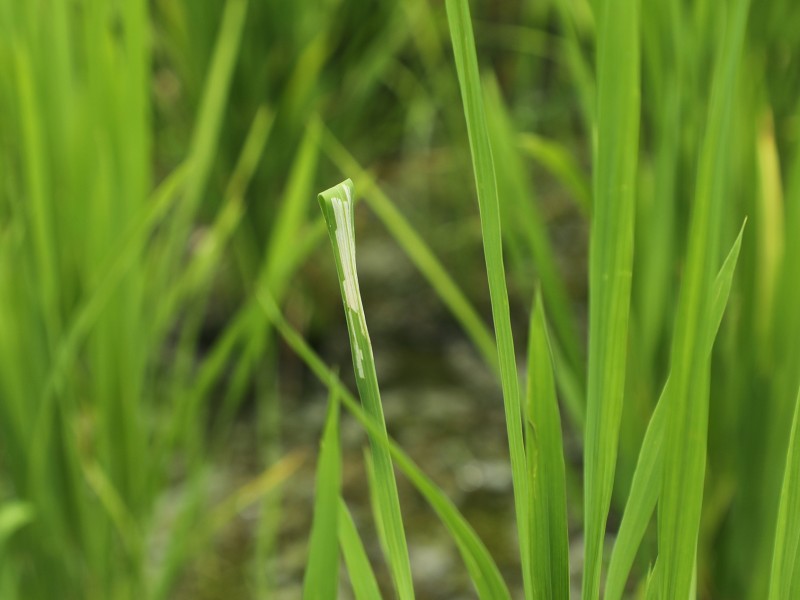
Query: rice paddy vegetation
{"x":573,"y":226}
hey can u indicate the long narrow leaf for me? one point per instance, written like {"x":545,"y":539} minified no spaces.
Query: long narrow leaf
{"x":362,"y":577}
{"x":337,"y":207}
{"x":646,"y":484}
{"x":687,"y":405}
{"x":203,"y":145}
{"x":519,"y":210}
{"x":549,"y":534}
{"x":787,"y":530}
{"x":482,"y":569}
{"x":610,"y":266}
{"x":483,"y":166}
{"x":417,"y":250}
{"x":522,"y":218}
{"x":322,"y":570}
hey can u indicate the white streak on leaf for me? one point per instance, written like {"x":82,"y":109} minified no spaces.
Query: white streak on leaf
{"x":345,"y":242}
{"x":342,"y":212}
{"x":359,"y":358}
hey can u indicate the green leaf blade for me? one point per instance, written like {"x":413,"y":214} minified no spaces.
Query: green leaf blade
{"x":549,"y":533}
{"x":687,"y":408}
{"x":463,"y":40}
{"x":337,"y":208}
{"x":483,"y":571}
{"x":787,"y":531}
{"x":322,"y":570}
{"x":646,"y":483}
{"x":362,"y":577}
{"x":610,"y":265}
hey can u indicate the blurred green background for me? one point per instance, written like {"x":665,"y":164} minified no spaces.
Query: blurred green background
{"x":159,"y":164}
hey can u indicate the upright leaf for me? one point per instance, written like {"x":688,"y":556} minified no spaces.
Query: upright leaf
{"x":687,"y":405}
{"x":337,"y":208}
{"x":483,"y":167}
{"x":610,"y":264}
{"x":549,"y":534}
{"x":787,"y":531}
{"x":322,"y":570}
{"x":417,"y":251}
{"x":646,"y":483}
{"x":362,"y":577}
{"x":522,"y":219}
{"x":482,"y":569}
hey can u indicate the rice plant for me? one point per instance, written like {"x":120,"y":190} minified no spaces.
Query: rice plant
{"x":671,"y":473}
{"x":619,"y":181}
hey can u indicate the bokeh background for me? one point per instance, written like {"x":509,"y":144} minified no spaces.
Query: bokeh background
{"x":159,"y":165}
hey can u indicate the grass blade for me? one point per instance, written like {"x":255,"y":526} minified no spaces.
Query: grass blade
{"x":520,"y":211}
{"x":651,"y":583}
{"x":337,"y":208}
{"x":14,"y":515}
{"x":485,"y":181}
{"x":417,"y":250}
{"x":482,"y":569}
{"x":322,"y":571}
{"x":205,"y":137}
{"x":559,"y":161}
{"x":687,"y":407}
{"x":646,"y":483}
{"x":549,"y":534}
{"x":611,"y":262}
{"x":262,"y":485}
{"x":121,"y":262}
{"x":787,"y":531}
{"x":362,"y":577}
{"x":522,"y":217}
